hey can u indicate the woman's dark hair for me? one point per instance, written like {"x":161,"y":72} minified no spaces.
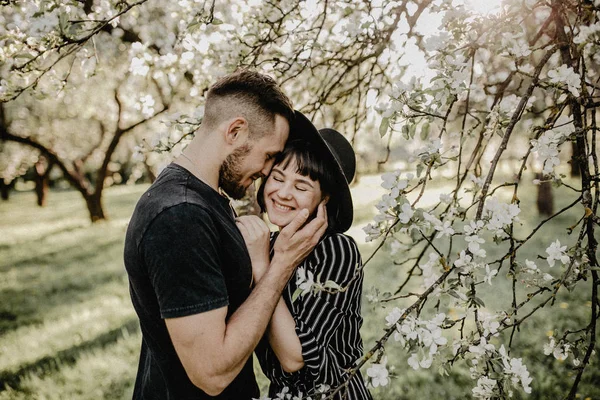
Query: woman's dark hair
{"x":314,"y":163}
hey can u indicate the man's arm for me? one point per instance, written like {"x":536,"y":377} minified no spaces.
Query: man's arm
{"x":214,"y":351}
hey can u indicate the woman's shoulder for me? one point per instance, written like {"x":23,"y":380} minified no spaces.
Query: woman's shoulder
{"x":335,"y":256}
{"x":336,"y":242}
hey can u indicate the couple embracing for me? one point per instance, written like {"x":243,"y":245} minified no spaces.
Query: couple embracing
{"x":211,"y":288}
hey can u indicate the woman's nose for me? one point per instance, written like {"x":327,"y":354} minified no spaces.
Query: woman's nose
{"x":284,"y":192}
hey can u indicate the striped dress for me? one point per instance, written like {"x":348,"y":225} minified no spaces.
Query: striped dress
{"x":327,"y":324}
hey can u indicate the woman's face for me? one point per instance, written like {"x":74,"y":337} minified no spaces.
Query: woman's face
{"x":286,"y":193}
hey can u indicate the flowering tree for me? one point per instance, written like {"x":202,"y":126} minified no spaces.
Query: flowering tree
{"x":57,"y":103}
{"x":524,"y":77}
{"x":505,"y":93}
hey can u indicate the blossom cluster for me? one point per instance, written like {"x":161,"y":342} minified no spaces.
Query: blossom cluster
{"x":286,"y":394}
{"x":424,"y":335}
{"x":392,"y":205}
{"x":499,"y":215}
{"x":546,"y":146}
{"x":513,"y":371}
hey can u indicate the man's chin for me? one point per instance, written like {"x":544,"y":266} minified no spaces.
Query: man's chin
{"x":236,"y":193}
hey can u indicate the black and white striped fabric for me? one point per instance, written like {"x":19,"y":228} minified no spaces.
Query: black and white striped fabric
{"x":327,"y":324}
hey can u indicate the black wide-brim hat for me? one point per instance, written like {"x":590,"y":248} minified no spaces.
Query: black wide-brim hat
{"x":335,"y":146}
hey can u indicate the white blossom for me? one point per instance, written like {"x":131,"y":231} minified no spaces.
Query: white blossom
{"x":500,"y":215}
{"x":474,"y":247}
{"x":304,"y":280}
{"x":406,"y":213}
{"x":474,"y":227}
{"x":445,"y":229}
{"x":284,"y":394}
{"x":463,"y":260}
{"x":517,"y":370}
{"x":568,"y":76}
{"x":393,"y":316}
{"x":139,"y":67}
{"x":484,"y":389}
{"x":378,"y":373}
{"x":556,"y":252}
{"x":489,"y":274}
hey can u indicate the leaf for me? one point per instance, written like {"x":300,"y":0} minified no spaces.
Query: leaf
{"x":413,"y":130}
{"x":420,"y":168}
{"x":23,"y":55}
{"x":405,"y":132}
{"x":478,"y":301}
{"x":425,"y":130}
{"x":329,"y":284}
{"x":383,"y":128}
{"x":216,"y":21}
{"x":296,"y":294}
{"x":63,"y":22}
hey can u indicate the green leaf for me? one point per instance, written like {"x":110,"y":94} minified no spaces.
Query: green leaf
{"x":63,"y":22}
{"x":383,"y":128}
{"x":332,"y":285}
{"x":216,"y":21}
{"x":478,"y":301}
{"x":23,"y":55}
{"x":425,"y":131}
{"x":405,"y":130}
{"x":420,"y":168}
{"x":296,"y":294}
{"x":413,"y":130}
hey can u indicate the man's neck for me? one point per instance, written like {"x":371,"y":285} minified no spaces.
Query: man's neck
{"x":201,"y":169}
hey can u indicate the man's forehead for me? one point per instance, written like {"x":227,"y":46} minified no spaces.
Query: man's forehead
{"x":280,"y":135}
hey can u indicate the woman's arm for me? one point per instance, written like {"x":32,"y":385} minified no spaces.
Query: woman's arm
{"x":301,"y":340}
{"x":284,"y":340}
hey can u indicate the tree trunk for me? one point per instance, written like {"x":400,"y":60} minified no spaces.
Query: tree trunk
{"x":5,"y":189}
{"x":42,"y":180}
{"x":41,"y":189}
{"x":94,"y":206}
{"x":545,"y":197}
{"x":575,"y":160}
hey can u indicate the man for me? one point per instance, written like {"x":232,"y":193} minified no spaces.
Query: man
{"x":189,"y":270}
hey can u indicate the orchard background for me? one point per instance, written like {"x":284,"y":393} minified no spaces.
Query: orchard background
{"x":475,"y":126}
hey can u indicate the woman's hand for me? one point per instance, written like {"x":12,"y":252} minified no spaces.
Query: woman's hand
{"x":256,"y":235}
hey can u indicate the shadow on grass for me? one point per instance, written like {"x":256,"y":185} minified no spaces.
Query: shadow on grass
{"x":79,"y":251}
{"x":49,"y":364}
{"x":32,"y":304}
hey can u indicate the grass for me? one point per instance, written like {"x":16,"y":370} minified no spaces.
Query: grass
{"x":68,"y":330}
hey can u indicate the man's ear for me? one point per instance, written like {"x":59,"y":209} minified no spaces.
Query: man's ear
{"x":237,"y":131}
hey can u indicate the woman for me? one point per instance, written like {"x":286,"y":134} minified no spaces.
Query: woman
{"x":313,"y":339}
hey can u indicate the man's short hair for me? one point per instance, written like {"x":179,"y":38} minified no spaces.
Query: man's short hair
{"x":246,"y":93}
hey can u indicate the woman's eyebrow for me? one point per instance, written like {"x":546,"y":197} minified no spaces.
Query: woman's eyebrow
{"x":308,"y":182}
{"x":278,"y":170}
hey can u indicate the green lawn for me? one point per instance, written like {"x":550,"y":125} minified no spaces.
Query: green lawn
{"x":68,"y":330}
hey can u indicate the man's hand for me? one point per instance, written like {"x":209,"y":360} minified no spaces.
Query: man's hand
{"x":297,"y":239}
{"x":256,"y":236}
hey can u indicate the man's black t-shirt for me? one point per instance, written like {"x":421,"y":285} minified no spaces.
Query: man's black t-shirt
{"x":184,"y":255}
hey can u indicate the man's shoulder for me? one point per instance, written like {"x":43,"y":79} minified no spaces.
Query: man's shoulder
{"x":170,"y":195}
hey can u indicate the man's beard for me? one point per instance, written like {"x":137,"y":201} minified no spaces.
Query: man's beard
{"x":230,"y":175}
